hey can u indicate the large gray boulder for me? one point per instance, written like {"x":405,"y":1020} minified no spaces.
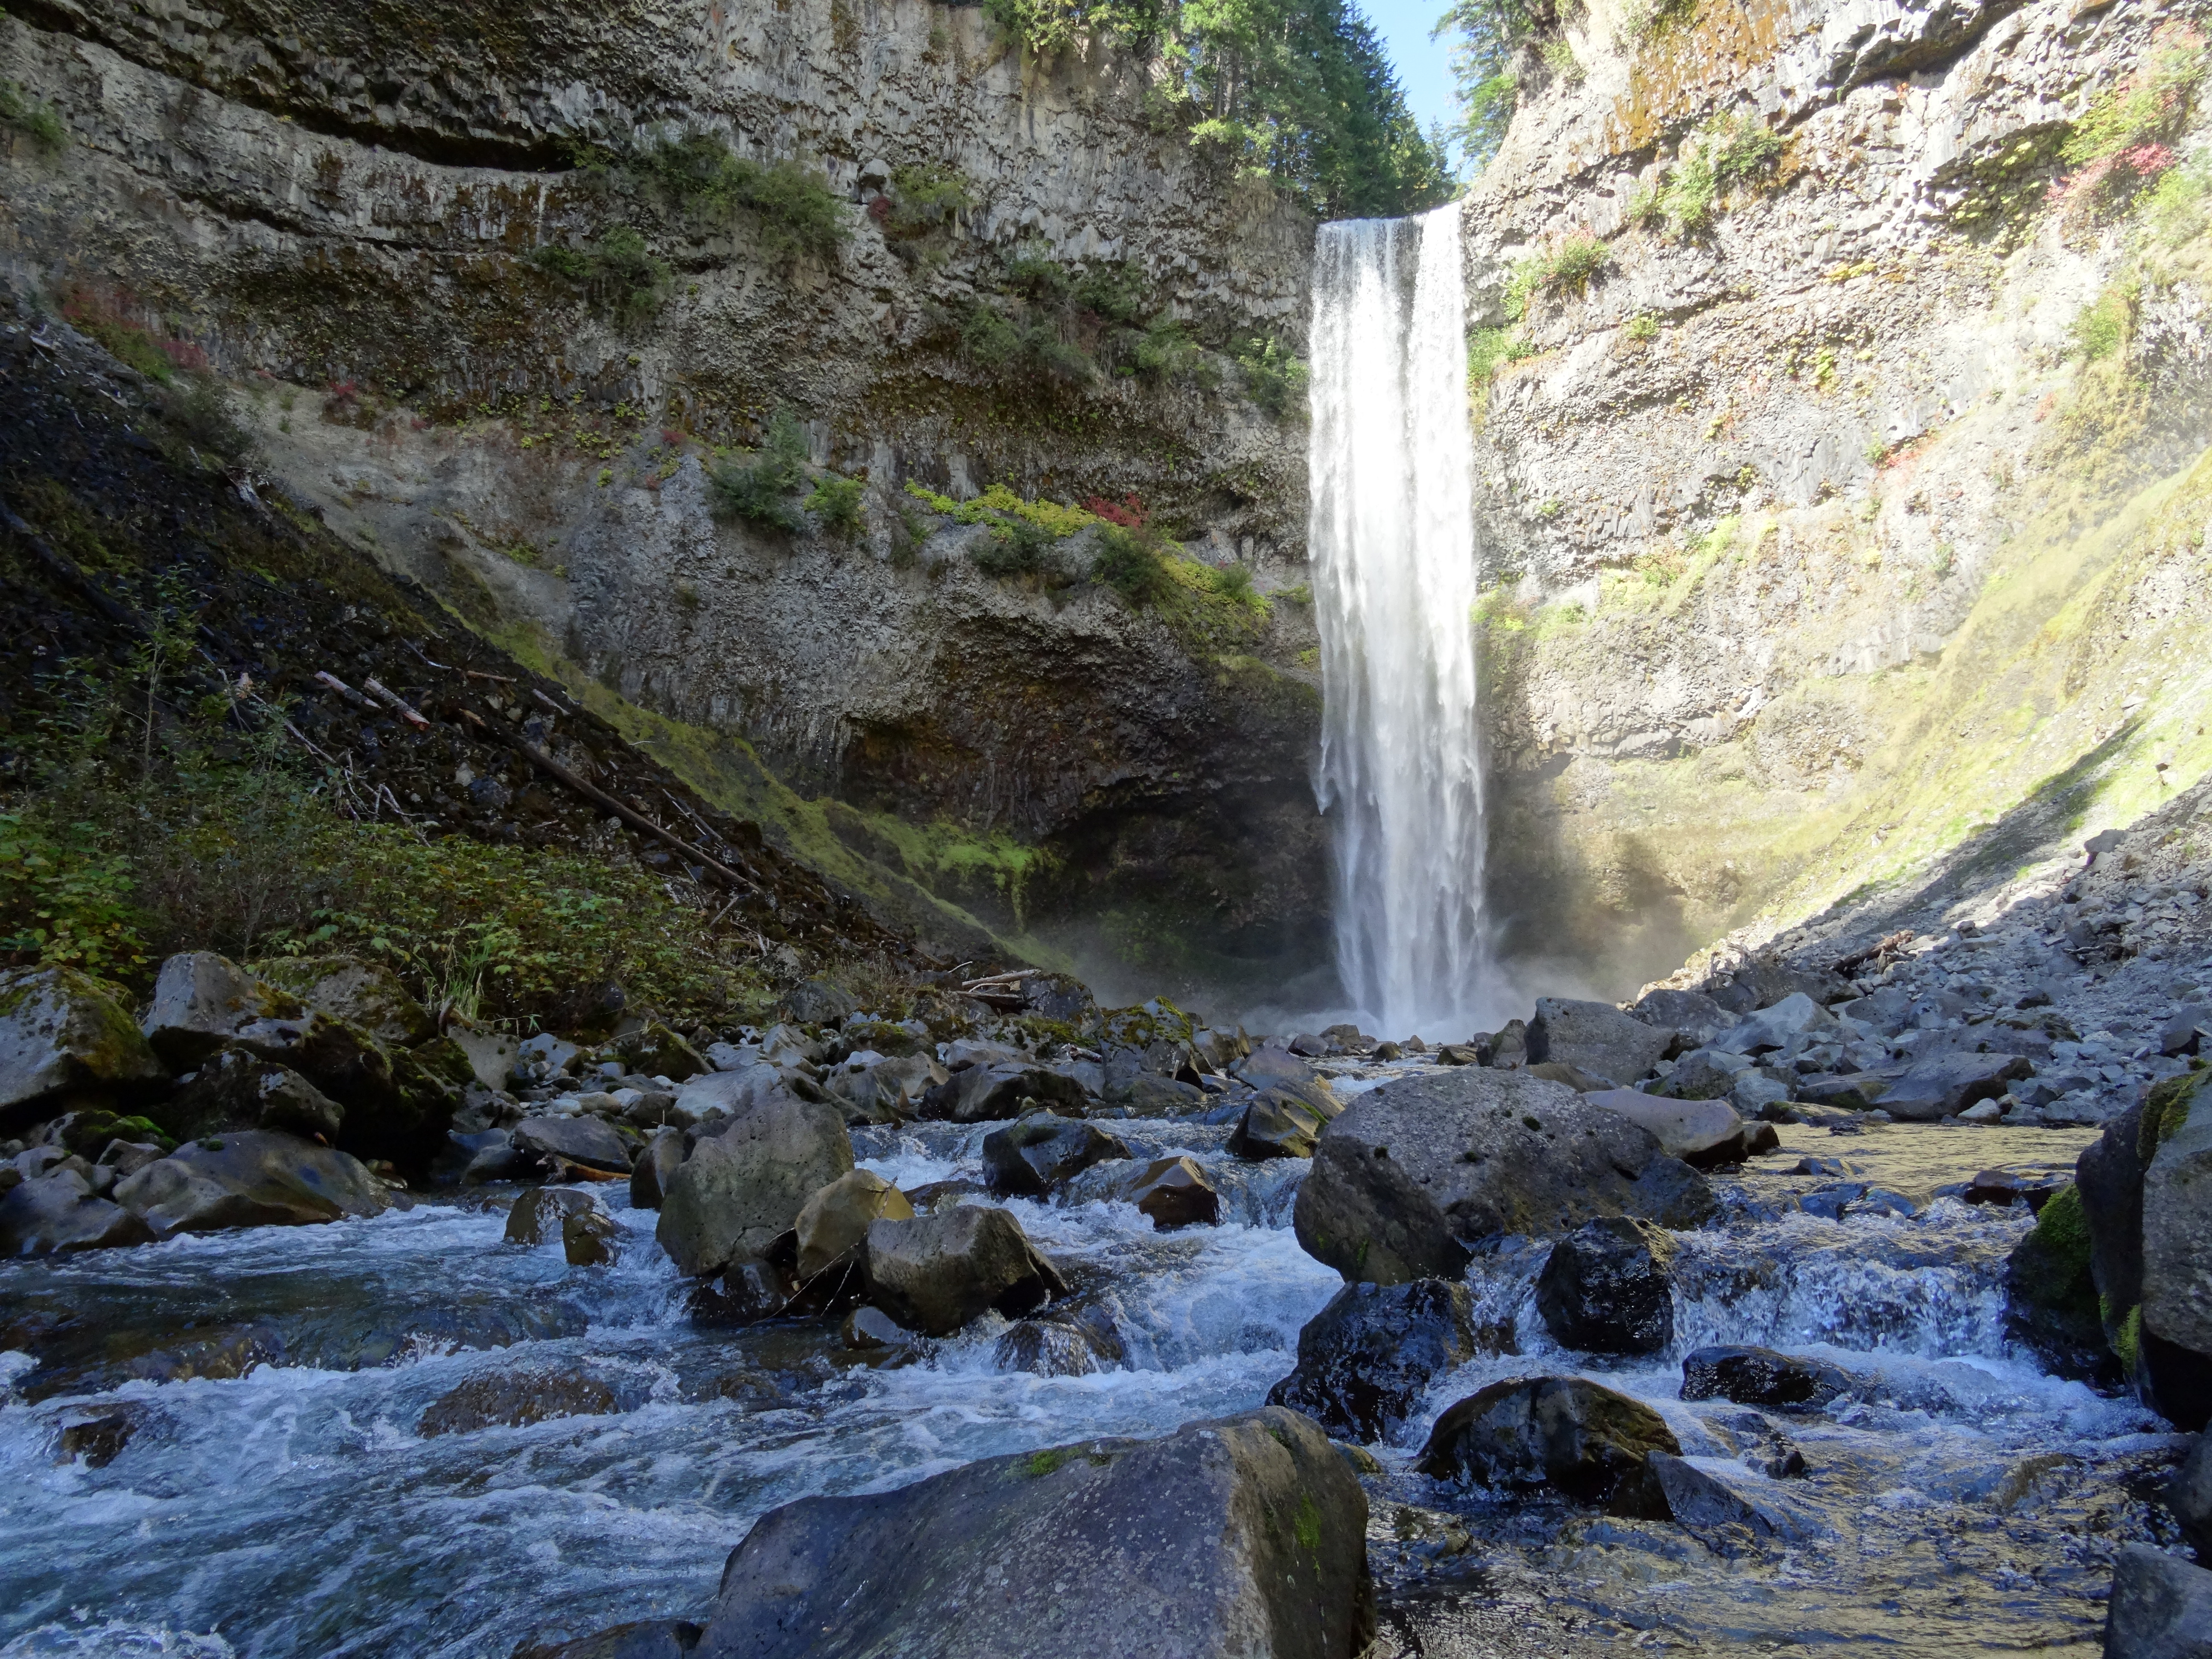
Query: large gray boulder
{"x":1365,"y":1360}
{"x":1698,"y":1131}
{"x":1278,"y":1124}
{"x":981,"y":1094}
{"x":833,"y":1224}
{"x":251,"y":1178}
{"x":2176,"y":1345}
{"x":1243,"y":1536}
{"x":2161,"y":1607}
{"x":1035,"y":1154}
{"x":1695,"y":1017}
{"x":1583,"y":1440}
{"x":1943,"y":1085}
{"x":1774,"y":1026}
{"x":655,"y":1169}
{"x":742,"y":1188}
{"x":934,"y":1273}
{"x":1595,"y":1038}
{"x":1420,"y":1169}
{"x":62,"y":1031}
{"x":583,"y":1139}
{"x":202,"y":1000}
{"x":58,"y":1214}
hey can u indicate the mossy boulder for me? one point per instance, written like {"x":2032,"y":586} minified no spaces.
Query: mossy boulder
{"x":346,"y":988}
{"x":62,"y":1032}
{"x":2051,"y":1295}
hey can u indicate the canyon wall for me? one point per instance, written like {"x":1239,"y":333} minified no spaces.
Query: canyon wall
{"x":1858,"y":524}
{"x":349,"y":212}
{"x":1840,"y":406}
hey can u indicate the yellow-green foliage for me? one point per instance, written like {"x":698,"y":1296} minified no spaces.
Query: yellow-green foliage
{"x":2149,"y":104}
{"x":2102,"y":328}
{"x":41,"y":123}
{"x":1568,"y":266}
{"x":999,"y":503}
{"x":1729,"y":153}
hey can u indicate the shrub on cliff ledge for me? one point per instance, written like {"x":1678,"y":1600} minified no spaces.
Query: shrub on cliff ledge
{"x":796,"y":209}
{"x":41,"y":123}
{"x":1130,"y":565}
{"x":760,"y":491}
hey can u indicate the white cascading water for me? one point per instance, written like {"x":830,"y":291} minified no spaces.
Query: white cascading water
{"x":1391,"y":533}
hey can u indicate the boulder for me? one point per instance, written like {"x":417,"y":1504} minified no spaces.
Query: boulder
{"x":1853,"y":1092}
{"x":653,"y":1050}
{"x":1242,"y":1536}
{"x":1277,"y":1124}
{"x":360,"y":992}
{"x":2051,"y":1293}
{"x":2160,"y":1606}
{"x":1146,"y":1094}
{"x":2190,"y":1496}
{"x":656,"y":1166}
{"x":1422,"y":1168}
{"x":1701,"y":1133}
{"x":584,"y":1140}
{"x":1032,"y":1156}
{"x":62,"y":1031}
{"x":1773,"y":1026}
{"x":2176,"y":1337}
{"x":1583,"y":1440}
{"x":820,"y":1002}
{"x":889,"y":1092}
{"x":731,"y":1094}
{"x":202,"y":1000}
{"x":536,"y":1213}
{"x":1704,"y":1074}
{"x":57,"y":1214}
{"x":1943,"y":1085}
{"x":1608,"y":1287}
{"x":591,"y":1238}
{"x":1173,"y":1191}
{"x":1365,"y":1359}
{"x":936,"y":1273}
{"x":1771,"y":983}
{"x":2185,"y":1030}
{"x":510,"y":1399}
{"x":491,"y":1055}
{"x":833,"y":1224}
{"x":1582,"y":1082}
{"x":1720,"y":1514}
{"x":237,"y":1089}
{"x":980,"y":1094}
{"x":1077,"y":1341}
{"x":251,"y":1178}
{"x":1694,"y":1019}
{"x":98,"y":1434}
{"x":1595,"y":1038}
{"x":741,"y":1188}
{"x":482,"y":1155}
{"x":1762,"y":1378}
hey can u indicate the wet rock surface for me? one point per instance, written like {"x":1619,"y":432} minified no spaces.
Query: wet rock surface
{"x":1365,"y":1359}
{"x":1579,"y":1438}
{"x":934,"y":1273}
{"x":1017,"y":1541}
{"x":1606,"y":1288}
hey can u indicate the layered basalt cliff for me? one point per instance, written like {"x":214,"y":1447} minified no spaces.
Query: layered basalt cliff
{"x":1841,"y":403}
{"x":492,"y":330}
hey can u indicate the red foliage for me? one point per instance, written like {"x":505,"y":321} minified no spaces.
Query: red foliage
{"x":879,"y":208}
{"x":1130,"y":514}
{"x":2147,"y":161}
{"x":671,"y":436}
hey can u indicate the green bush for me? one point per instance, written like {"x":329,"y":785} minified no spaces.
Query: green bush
{"x":1234,"y":582}
{"x":1131,"y":566}
{"x":41,"y":123}
{"x":620,"y":274}
{"x":558,"y":261}
{"x":1117,"y":294}
{"x":760,"y":491}
{"x":1489,"y":348}
{"x":925,"y":199}
{"x":1273,"y":379}
{"x":1730,"y":152}
{"x":1018,"y":547}
{"x":66,"y":896}
{"x":204,"y":417}
{"x":992,"y":340}
{"x":1166,"y":353}
{"x":2102,"y":328}
{"x":836,"y":501}
{"x":1577,"y":260}
{"x":796,"y":209}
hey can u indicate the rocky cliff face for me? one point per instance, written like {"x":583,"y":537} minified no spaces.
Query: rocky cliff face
{"x":1840,"y":382}
{"x":401,"y":230}
{"x":1841,"y":404}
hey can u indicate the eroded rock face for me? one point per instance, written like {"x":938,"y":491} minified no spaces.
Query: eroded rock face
{"x":934,"y":1273}
{"x":1416,"y":1170}
{"x":60,"y":1031}
{"x":1583,"y":1440}
{"x":1365,"y":1360}
{"x":1243,"y":1536}
{"x":742,"y":1188}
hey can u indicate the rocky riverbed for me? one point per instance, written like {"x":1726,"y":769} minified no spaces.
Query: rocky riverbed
{"x":1794,"y":1395}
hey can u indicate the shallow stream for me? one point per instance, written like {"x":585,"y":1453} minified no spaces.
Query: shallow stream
{"x":1959,"y":1500}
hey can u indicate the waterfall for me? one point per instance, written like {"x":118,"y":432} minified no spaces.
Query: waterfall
{"x":1391,"y":534}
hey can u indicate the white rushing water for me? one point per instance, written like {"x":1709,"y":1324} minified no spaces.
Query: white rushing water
{"x":1391,"y":536}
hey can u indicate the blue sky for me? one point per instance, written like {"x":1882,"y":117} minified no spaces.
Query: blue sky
{"x":1424,"y":65}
